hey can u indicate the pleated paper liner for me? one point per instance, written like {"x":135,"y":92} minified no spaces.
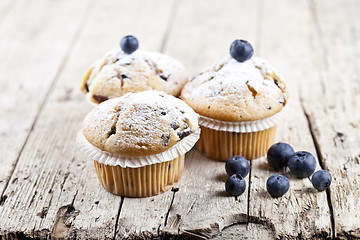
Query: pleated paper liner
{"x":144,"y":181}
{"x":221,"y":140}
{"x":139,"y":176}
{"x":222,"y":145}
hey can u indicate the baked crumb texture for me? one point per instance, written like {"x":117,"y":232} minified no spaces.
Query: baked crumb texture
{"x":237,"y":91}
{"x":118,"y":73}
{"x":139,"y":124}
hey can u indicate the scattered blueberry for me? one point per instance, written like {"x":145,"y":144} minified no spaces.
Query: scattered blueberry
{"x":237,"y":165}
{"x":277,"y":185}
{"x":235,"y":185}
{"x":321,"y":180}
{"x":279,"y":154}
{"x":302,"y":164}
{"x":129,"y":44}
{"x":241,"y":50}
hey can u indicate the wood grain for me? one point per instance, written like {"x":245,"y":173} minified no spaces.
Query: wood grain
{"x":331,"y":106}
{"x":201,"y":207}
{"x":50,"y":190}
{"x":54,"y":190}
{"x":32,"y":52}
{"x":302,"y":212}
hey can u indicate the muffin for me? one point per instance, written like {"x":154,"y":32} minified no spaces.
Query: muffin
{"x":126,"y":70}
{"x":240,"y":104}
{"x":138,"y":142}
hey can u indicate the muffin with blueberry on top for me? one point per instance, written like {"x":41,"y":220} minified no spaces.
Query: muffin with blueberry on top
{"x":138,"y":142}
{"x":240,"y":100}
{"x":127,"y":69}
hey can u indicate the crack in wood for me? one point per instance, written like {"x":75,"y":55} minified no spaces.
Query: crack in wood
{"x":248,"y":198}
{"x":35,"y":234}
{"x":313,"y":132}
{"x":63,"y":221}
{"x":33,"y":198}
{"x":43,"y":212}
{"x":118,"y":217}
{"x":202,"y":233}
{"x":3,"y":199}
{"x":191,"y":207}
{"x":172,"y":230}
{"x":63,"y":182}
{"x":50,"y":89}
{"x":174,"y":190}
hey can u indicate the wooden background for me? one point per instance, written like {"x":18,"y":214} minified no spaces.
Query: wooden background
{"x":48,"y":189}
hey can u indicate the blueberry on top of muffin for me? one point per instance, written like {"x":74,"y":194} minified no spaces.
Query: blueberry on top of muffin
{"x":127,"y":69}
{"x":234,"y":90}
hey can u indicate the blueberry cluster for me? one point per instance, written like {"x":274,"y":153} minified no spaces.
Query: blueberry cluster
{"x":301,"y":164}
{"x":237,"y":167}
{"x":280,"y":155}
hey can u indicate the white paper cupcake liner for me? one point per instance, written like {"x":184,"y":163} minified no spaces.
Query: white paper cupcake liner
{"x":242,"y":127}
{"x":179,"y":149}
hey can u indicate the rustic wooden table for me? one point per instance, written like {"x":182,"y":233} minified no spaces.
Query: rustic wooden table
{"x":49,"y":189}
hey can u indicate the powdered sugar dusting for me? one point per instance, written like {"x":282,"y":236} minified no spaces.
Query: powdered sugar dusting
{"x":168,"y":74}
{"x":231,"y":76}
{"x":139,"y":123}
{"x":243,"y":88}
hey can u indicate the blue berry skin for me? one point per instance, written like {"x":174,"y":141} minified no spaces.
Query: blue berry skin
{"x":237,"y":165}
{"x":129,"y":44}
{"x":279,"y":154}
{"x":241,"y":50}
{"x":235,"y":185}
{"x":277,"y":185}
{"x":302,"y":164}
{"x":321,"y":180}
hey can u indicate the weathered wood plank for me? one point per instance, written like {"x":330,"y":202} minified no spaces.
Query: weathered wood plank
{"x":54,"y":190}
{"x":246,"y":231}
{"x":201,"y":202}
{"x":201,"y":207}
{"x":217,"y":24}
{"x":302,"y":212}
{"x":332,"y":106}
{"x":32,"y":50}
{"x":142,"y":217}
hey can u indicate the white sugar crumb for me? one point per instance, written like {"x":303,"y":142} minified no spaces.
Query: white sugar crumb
{"x":236,"y":91}
{"x":169,"y":69}
{"x":144,"y":121}
{"x":233,"y":77}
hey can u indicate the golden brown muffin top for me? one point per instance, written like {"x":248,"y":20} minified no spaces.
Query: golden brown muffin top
{"x":139,"y":124}
{"x":237,"y":91}
{"x":118,"y":73}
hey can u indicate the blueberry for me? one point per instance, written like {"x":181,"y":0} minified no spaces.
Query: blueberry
{"x":321,"y":180}
{"x":235,"y":185}
{"x":302,"y":164}
{"x":277,"y":185}
{"x":241,"y":50}
{"x":237,"y":165}
{"x":279,"y":154}
{"x":129,"y":44}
